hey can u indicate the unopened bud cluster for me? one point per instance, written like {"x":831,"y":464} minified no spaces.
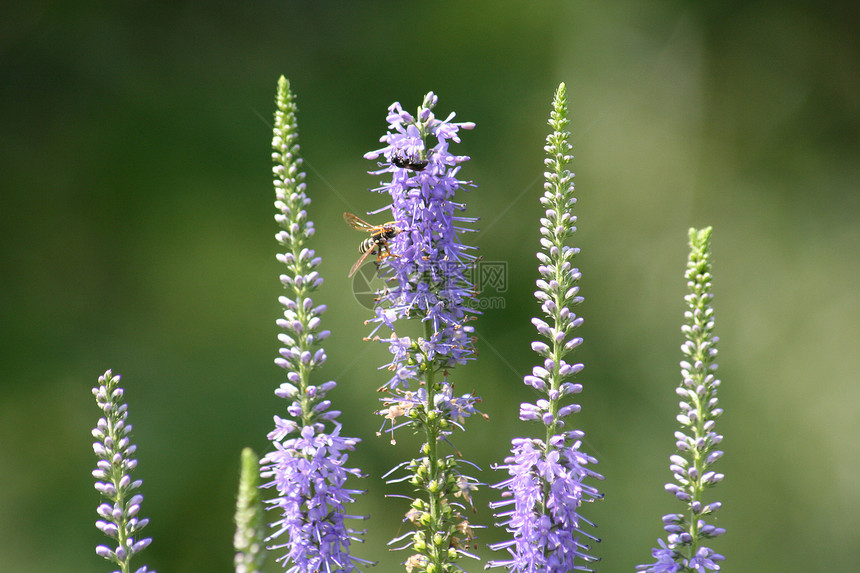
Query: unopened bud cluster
{"x":120,"y":512}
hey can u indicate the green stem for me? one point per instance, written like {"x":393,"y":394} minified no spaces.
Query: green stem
{"x":431,"y":428}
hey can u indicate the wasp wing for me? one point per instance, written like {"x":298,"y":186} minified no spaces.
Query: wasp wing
{"x":360,"y":260}
{"x":357,"y":223}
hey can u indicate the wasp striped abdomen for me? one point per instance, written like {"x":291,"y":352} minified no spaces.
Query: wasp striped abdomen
{"x":376,"y":243}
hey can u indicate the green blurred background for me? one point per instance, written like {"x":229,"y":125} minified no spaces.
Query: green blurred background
{"x":137,"y":234}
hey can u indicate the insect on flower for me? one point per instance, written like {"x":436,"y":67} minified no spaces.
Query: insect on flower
{"x":404,"y":161}
{"x":376,"y":243}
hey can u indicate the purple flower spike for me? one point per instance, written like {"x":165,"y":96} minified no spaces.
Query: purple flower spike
{"x":120,"y":513}
{"x":682,"y":551}
{"x":427,"y":272}
{"x":308,"y":468}
{"x":546,"y":488}
{"x":426,"y":278}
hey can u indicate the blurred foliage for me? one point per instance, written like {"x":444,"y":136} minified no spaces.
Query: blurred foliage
{"x":137,"y":234}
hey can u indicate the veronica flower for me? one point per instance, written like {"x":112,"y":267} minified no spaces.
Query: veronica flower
{"x":428,"y":272}
{"x":427,"y":280}
{"x":697,"y":442}
{"x":120,"y":512}
{"x":308,"y":467}
{"x":250,"y":529}
{"x":546,"y":488}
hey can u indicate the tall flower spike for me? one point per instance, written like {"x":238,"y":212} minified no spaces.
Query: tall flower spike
{"x":308,"y":467}
{"x":250,"y":528}
{"x":427,"y":279}
{"x":697,"y":442}
{"x":545,"y":490}
{"x":430,"y":266}
{"x":120,"y":512}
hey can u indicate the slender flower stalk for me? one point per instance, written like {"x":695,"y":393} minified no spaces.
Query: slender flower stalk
{"x":248,"y":541}
{"x":308,"y":467}
{"x":119,"y":512}
{"x":426,"y":280}
{"x":683,"y":551}
{"x":545,"y":490}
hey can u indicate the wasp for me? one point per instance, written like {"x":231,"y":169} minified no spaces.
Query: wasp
{"x":404,"y":161}
{"x":376,"y":243}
